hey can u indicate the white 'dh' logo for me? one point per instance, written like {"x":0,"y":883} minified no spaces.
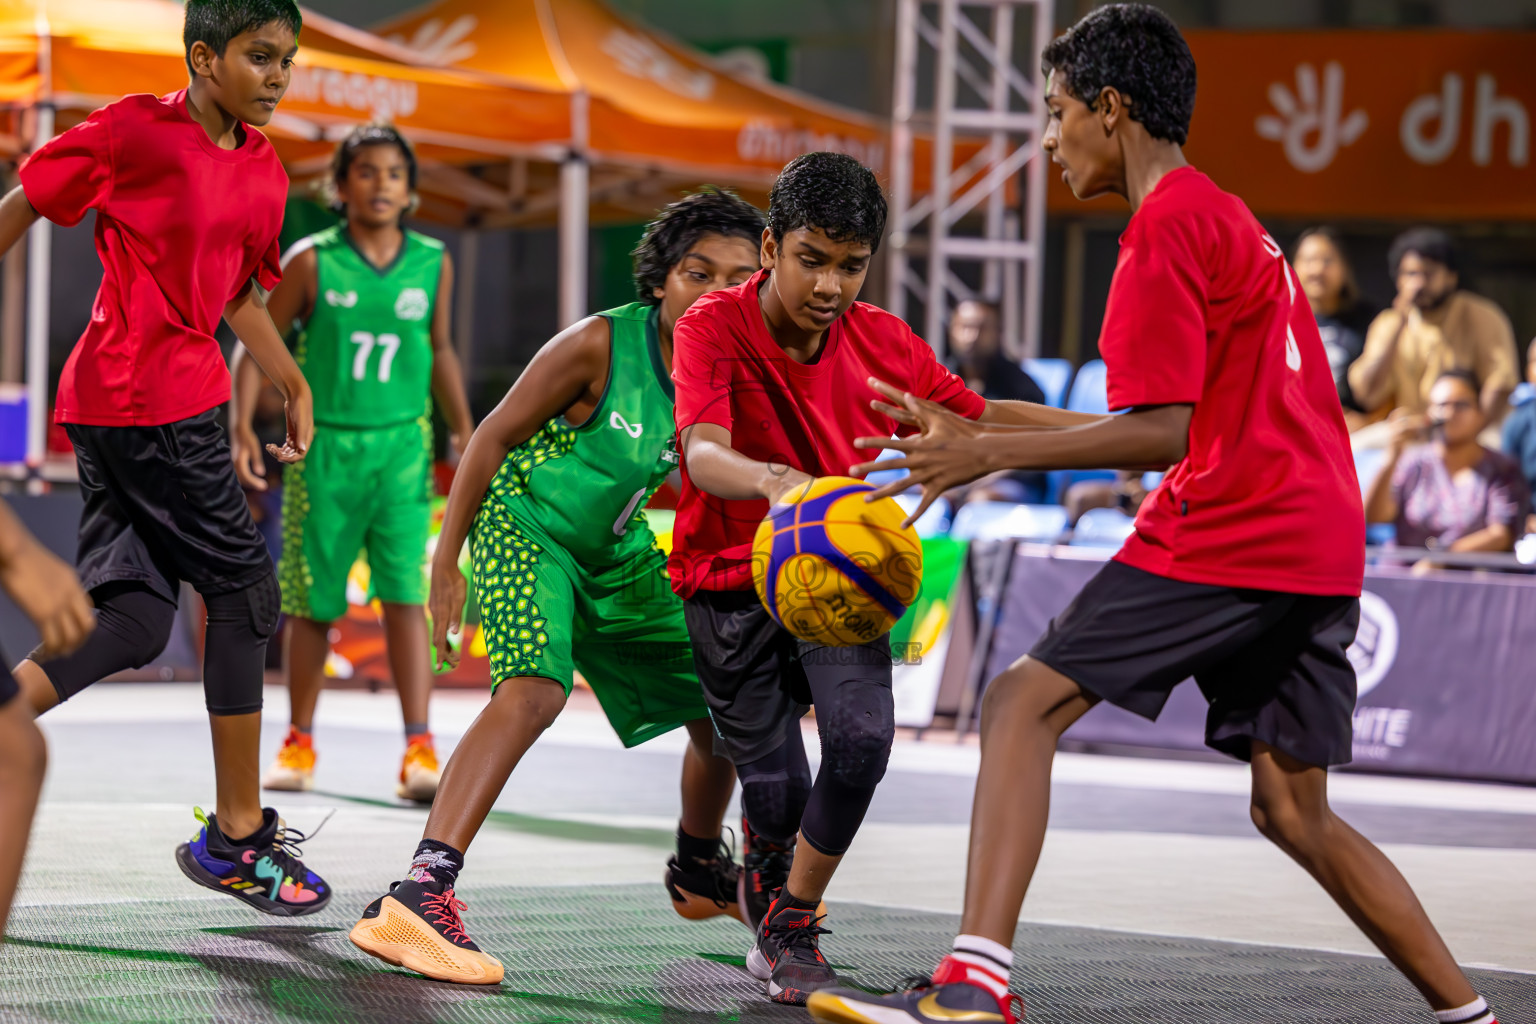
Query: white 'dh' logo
{"x":1375,"y":646}
{"x":618,"y":422}
{"x":345,"y":300}
{"x":412,"y":304}
{"x":1311,"y":115}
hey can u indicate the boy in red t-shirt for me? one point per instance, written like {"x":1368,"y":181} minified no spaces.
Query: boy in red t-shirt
{"x":770,"y":380}
{"x":1246,"y":565}
{"x":189,"y":200}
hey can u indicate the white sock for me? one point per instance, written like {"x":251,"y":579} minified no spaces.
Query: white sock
{"x":987,"y":963}
{"x":1475,"y":1012}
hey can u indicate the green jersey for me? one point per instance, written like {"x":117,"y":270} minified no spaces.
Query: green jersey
{"x":583,"y":487}
{"x":367,"y":348}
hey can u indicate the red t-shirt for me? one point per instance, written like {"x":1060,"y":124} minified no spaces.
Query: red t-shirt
{"x":1204,"y":309}
{"x":181,"y":227}
{"x":729,"y":371}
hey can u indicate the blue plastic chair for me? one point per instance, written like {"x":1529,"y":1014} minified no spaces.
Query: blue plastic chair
{"x":1524,"y":392}
{"x":1090,"y":394}
{"x":1380,"y":534}
{"x":13,"y":423}
{"x":1053,"y":376}
{"x":1001,"y":520}
{"x":1102,"y":528}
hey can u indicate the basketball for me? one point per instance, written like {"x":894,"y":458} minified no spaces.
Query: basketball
{"x":834,"y":569}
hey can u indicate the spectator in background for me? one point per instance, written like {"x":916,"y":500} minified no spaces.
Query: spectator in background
{"x":1342,"y":316}
{"x":1433,"y":327}
{"x":1451,"y":492}
{"x":976,"y":354}
{"x":1520,"y":434}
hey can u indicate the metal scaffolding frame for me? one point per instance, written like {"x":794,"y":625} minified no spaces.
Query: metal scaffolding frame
{"x":965,"y":51}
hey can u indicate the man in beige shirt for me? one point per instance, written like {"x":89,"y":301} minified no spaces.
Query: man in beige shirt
{"x":1433,"y":327}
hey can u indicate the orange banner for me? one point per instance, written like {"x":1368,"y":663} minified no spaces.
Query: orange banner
{"x":1358,"y":124}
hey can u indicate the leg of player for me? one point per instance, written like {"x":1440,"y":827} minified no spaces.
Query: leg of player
{"x":306,"y":644}
{"x":23,"y":759}
{"x":410,"y":662}
{"x":1290,"y":807}
{"x":1024,"y":713}
{"x":36,"y":688}
{"x":417,"y":924}
{"x":702,"y":878}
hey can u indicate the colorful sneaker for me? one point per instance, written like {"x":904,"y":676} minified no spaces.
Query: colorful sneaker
{"x":263,"y":870}
{"x":705,"y":888}
{"x":419,"y":773}
{"x":926,"y":1001}
{"x":293,"y":770}
{"x":764,"y":870}
{"x":416,"y":925}
{"x":787,"y":955}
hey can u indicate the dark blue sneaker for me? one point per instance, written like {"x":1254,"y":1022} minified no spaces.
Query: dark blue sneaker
{"x":263,"y":870}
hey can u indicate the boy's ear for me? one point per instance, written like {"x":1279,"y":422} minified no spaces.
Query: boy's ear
{"x":769,"y":249}
{"x":201,"y":57}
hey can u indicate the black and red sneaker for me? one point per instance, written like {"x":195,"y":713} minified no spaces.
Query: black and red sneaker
{"x":701,"y":889}
{"x":764,"y":870}
{"x":942,"y":998}
{"x":417,"y":925}
{"x":787,"y":955}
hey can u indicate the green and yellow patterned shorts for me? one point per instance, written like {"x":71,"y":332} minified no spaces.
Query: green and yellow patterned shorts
{"x":545,"y":615}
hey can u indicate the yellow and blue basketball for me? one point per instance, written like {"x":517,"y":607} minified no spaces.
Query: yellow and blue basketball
{"x":833,"y":568}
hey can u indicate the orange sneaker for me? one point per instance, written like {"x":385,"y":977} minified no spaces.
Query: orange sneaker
{"x":293,"y":770}
{"x":418,"y":770}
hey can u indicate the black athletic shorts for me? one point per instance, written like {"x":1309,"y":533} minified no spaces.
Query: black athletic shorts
{"x":162,"y":505}
{"x":757,"y":675}
{"x":1271,"y":665}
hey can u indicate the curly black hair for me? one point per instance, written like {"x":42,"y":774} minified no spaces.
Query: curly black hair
{"x":1137,"y":50}
{"x":832,"y":193}
{"x":216,"y":22}
{"x":1430,"y":244}
{"x":667,"y":239}
{"x":1467,"y":377}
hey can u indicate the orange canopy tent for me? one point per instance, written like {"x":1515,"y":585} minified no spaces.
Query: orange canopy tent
{"x":61,"y":59}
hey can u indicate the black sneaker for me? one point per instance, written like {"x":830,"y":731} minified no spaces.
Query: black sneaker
{"x":764,"y":870}
{"x":263,"y":870}
{"x":417,"y":925}
{"x":702,"y":889}
{"x":787,"y":955}
{"x":925,"y":1001}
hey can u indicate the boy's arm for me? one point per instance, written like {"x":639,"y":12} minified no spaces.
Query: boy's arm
{"x":447,"y":374}
{"x":717,"y":468}
{"x":293,"y":299}
{"x":43,"y":586}
{"x":1030,"y":414}
{"x":574,"y":361}
{"x":247,"y":316}
{"x":16,"y":216}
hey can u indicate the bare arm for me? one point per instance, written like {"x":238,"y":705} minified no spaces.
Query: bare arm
{"x":572,"y":364}
{"x":1029,"y":414}
{"x":247,"y":316}
{"x":16,"y":216}
{"x":447,"y":374}
{"x":721,"y":470}
{"x":43,"y":586}
{"x":1370,"y":376}
{"x":293,"y":299}
{"x":1494,"y":537}
{"x":1380,"y":502}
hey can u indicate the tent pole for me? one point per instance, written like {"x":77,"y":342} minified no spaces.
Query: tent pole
{"x":574,"y":183}
{"x":39,"y":265}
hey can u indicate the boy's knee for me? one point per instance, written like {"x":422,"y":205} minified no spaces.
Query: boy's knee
{"x":1283,"y":821}
{"x":1022,"y":696}
{"x":535,"y":701}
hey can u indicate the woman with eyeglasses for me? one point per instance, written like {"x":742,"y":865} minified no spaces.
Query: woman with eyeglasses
{"x":1441,"y":487}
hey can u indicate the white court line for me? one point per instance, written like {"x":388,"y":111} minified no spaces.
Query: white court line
{"x":454,"y":710}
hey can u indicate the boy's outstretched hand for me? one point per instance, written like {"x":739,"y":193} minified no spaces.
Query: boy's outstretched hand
{"x":46,"y":589}
{"x":299,"y":410}
{"x":945,"y":454}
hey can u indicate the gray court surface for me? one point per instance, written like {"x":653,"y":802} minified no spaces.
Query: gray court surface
{"x":1154,"y":902}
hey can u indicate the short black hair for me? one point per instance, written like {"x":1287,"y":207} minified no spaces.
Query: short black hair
{"x":1429,"y":243}
{"x":832,"y":193}
{"x":374,"y":134}
{"x":1137,"y":50}
{"x":1350,"y":291}
{"x":216,"y":22}
{"x":1467,"y":377}
{"x":667,"y":239}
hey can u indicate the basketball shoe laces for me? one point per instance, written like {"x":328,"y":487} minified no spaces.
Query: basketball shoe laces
{"x":1013,"y":1006}
{"x":798,"y":938}
{"x":445,"y":909}
{"x":287,"y":846}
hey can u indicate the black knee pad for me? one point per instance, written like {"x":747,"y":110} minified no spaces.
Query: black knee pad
{"x":133,"y":625}
{"x":857,"y":726}
{"x":240,"y":622}
{"x":774,"y":790}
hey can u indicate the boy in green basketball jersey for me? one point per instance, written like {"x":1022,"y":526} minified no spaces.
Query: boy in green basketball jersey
{"x":371,"y":301}
{"x":568,"y":576}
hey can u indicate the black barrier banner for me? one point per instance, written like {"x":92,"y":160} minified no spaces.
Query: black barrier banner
{"x":1446,"y":666}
